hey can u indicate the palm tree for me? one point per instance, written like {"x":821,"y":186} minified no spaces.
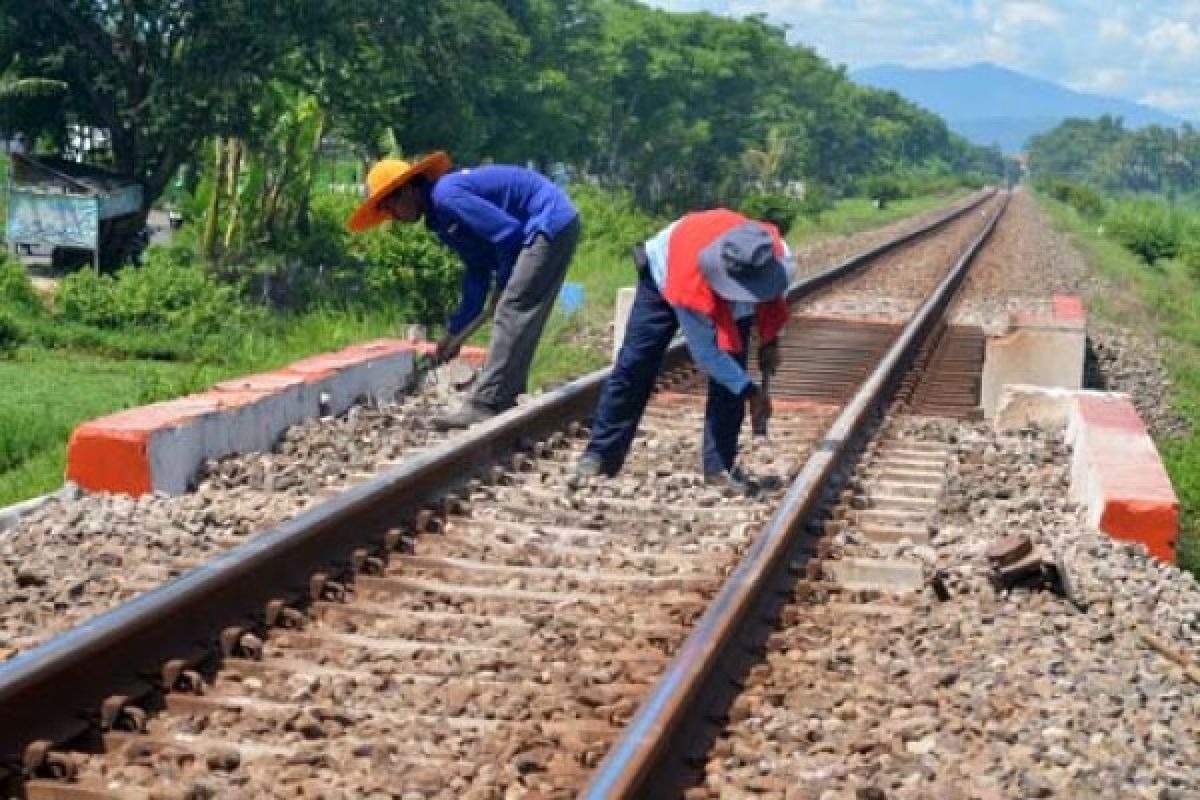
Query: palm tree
{"x":766,"y":164}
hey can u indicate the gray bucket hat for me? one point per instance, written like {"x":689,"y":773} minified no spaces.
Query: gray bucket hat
{"x":741,"y":265}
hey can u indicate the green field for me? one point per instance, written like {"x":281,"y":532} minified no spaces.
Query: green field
{"x":855,"y":214}
{"x":1164,"y":301}
{"x":48,"y":391}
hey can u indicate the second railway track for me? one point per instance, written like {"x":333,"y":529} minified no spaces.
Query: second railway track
{"x":494,"y":639}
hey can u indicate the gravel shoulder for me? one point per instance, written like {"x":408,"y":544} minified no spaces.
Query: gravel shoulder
{"x":992,"y":693}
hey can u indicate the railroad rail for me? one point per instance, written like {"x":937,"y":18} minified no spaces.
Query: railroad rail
{"x":652,"y":757}
{"x":161,"y":677}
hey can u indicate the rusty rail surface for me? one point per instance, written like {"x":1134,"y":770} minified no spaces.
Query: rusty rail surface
{"x":651,"y":759}
{"x":64,"y":687}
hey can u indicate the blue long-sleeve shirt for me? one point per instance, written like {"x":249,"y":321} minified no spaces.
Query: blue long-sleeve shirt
{"x":698,"y":330}
{"x":486,"y":215}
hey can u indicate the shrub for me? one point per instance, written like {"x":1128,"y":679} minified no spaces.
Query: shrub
{"x":974,"y":180}
{"x":817,"y":199}
{"x":1189,"y":252}
{"x":405,"y":267}
{"x":777,"y":209}
{"x":402,"y":268}
{"x":15,"y":288}
{"x":11,"y":335}
{"x":1145,"y":227}
{"x":87,"y":297}
{"x":1085,"y":199}
{"x":883,"y":189}
{"x":161,"y":296}
{"x":612,"y":220}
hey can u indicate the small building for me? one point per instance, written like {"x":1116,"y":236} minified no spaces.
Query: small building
{"x":65,"y":206}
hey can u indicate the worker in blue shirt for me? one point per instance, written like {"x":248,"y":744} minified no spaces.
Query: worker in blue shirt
{"x":515,"y":232}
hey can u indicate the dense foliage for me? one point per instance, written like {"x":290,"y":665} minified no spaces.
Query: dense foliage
{"x":1104,"y":154}
{"x":683,"y":109}
{"x":15,"y":288}
{"x":1147,"y":225}
{"x":11,"y":335}
{"x":162,"y":295}
{"x":1141,"y":186}
{"x":1087,"y":200}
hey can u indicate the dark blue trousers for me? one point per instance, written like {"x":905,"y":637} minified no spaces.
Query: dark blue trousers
{"x":652,"y":324}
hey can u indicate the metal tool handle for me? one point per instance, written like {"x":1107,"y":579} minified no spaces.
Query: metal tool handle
{"x":430,"y":361}
{"x":758,"y":424}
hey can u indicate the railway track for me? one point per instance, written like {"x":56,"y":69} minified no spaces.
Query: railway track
{"x":466,"y":626}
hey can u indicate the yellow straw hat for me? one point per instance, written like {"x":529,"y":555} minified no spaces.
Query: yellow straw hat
{"x":386,"y":177}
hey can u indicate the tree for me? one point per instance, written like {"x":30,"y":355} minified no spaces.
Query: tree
{"x":1104,"y":154}
{"x":160,"y":76}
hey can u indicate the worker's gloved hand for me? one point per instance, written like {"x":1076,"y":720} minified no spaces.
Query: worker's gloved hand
{"x":447,"y":349}
{"x":769,"y":357}
{"x":758,"y":403}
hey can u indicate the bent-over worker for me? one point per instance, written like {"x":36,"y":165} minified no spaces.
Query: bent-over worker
{"x":511,"y":227}
{"x":715,"y":274}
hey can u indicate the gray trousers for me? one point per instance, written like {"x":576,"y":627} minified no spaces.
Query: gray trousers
{"x":521,"y":314}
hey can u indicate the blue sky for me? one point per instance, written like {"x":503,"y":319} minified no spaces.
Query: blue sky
{"x":1147,"y":51}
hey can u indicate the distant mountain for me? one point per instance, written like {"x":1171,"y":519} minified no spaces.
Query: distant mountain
{"x":989,"y":104}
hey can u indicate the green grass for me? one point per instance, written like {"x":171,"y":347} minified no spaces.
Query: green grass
{"x":855,"y":214}
{"x":1163,"y":300}
{"x":48,"y":392}
{"x":287,"y":338}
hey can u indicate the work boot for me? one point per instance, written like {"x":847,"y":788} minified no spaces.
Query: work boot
{"x":587,"y":469}
{"x":735,"y":479}
{"x":469,"y":414}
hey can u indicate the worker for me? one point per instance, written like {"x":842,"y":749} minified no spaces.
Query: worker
{"x":515,"y":232}
{"x":716,"y":274}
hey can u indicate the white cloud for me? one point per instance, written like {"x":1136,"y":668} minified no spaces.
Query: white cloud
{"x":1112,"y":30}
{"x":1170,"y":99}
{"x":1174,"y":39}
{"x":1014,"y":15}
{"x":1105,"y":80}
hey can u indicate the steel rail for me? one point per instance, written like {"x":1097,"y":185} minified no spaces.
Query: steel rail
{"x":650,"y":759}
{"x":53,"y":692}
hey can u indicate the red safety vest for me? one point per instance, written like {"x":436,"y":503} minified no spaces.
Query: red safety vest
{"x":686,"y":286}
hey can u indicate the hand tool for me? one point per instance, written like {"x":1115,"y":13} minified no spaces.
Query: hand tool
{"x":758,"y":423}
{"x":426,"y":363}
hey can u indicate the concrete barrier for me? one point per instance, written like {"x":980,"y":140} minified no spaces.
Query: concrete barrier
{"x":1039,"y":348}
{"x":1116,"y":472}
{"x":160,"y":447}
{"x":363,"y":373}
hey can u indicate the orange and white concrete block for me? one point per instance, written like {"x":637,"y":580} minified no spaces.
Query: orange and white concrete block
{"x":1116,"y":471}
{"x":160,"y":447}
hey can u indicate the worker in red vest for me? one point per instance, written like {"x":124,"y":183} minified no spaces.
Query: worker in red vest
{"x":715,"y":275}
